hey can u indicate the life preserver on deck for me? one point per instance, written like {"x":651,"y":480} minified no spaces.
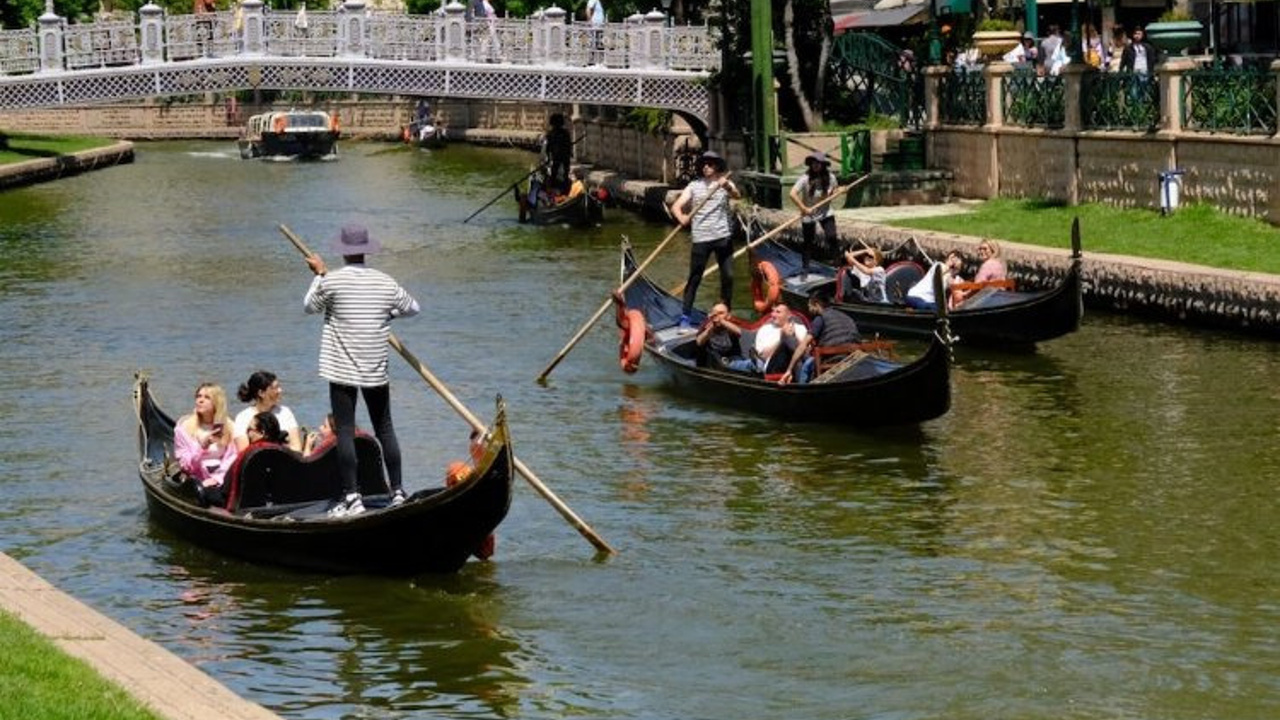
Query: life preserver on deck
{"x":766,"y":286}
{"x":631,"y":345}
{"x":334,"y":124}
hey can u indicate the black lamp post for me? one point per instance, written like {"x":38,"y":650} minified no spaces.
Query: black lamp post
{"x":666,"y":9}
{"x":1074,"y":51}
{"x":935,"y":39}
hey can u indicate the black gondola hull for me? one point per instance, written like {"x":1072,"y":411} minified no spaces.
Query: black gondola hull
{"x":873,"y":393}
{"x":434,"y":531}
{"x":1011,"y":319}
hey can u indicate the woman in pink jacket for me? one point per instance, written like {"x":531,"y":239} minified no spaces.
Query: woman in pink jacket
{"x":203,"y":444}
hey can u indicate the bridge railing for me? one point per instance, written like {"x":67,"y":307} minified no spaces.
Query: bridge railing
{"x":19,"y":52}
{"x":549,"y":37}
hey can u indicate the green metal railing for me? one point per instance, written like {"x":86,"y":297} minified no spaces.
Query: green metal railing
{"x":870,"y":71}
{"x":1120,"y":101}
{"x":1030,"y":100}
{"x":1240,"y":101}
{"x":962,"y":98}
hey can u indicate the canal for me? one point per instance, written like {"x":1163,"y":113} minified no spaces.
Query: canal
{"x":1091,"y":532}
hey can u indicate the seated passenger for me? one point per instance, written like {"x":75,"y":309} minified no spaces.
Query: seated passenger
{"x":321,"y":438}
{"x":263,"y":431}
{"x":203,"y":444}
{"x":576,"y":187}
{"x":719,"y":340}
{"x":262,"y":390}
{"x":920,"y":296}
{"x":776,"y":341}
{"x":828,"y":328}
{"x":992,"y":268}
{"x":865,"y":264}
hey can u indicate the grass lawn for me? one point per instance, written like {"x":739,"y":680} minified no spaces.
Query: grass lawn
{"x":19,"y":147}
{"x":1196,"y":234}
{"x":38,"y":680}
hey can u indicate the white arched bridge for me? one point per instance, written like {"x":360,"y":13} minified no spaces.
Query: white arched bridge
{"x":547,"y":57}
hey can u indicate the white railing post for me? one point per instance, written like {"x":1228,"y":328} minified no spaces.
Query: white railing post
{"x":538,"y":49}
{"x":152,"y":27}
{"x":557,"y":38}
{"x":451,"y":33}
{"x":655,"y":50}
{"x":253,"y":27}
{"x":351,"y":24}
{"x":51,"y":54}
{"x":636,"y":56}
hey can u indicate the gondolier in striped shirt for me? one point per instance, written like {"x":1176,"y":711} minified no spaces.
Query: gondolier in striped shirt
{"x":358,"y":304}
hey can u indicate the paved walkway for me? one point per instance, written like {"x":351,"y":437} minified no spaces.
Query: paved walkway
{"x":889,"y":213}
{"x":171,"y":687}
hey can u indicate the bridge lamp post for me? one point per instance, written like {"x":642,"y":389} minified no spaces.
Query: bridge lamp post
{"x":666,"y":9}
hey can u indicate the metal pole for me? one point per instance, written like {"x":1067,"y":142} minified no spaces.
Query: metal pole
{"x":766,"y":122}
{"x":1033,"y":20}
{"x":935,"y":39}
{"x":1074,"y":50}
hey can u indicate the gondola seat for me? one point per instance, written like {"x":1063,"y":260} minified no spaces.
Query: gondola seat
{"x":272,"y":475}
{"x":898,"y":279}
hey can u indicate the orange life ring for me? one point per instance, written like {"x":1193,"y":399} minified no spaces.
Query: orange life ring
{"x":631,"y":346}
{"x":766,"y":286}
{"x":404,"y":135}
{"x":278,"y":123}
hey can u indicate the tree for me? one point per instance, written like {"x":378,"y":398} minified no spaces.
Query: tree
{"x":806,"y":34}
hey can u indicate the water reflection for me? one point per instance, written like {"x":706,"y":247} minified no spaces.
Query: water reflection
{"x":339,"y":647}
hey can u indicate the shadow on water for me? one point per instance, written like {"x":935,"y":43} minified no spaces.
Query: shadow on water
{"x":357,"y":644}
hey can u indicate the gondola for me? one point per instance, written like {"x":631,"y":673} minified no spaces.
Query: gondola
{"x":586,"y":210}
{"x":870,"y":391}
{"x":279,"y":515}
{"x":426,"y":134}
{"x":992,"y":317}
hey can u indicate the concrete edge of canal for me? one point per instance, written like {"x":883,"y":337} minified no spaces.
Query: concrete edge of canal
{"x":165,"y":683}
{"x":38,"y":170}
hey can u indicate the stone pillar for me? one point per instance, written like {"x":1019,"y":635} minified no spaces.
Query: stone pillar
{"x":254,"y":39}
{"x":995,"y":73}
{"x":51,"y":55}
{"x":932,"y":88}
{"x":655,"y":23}
{"x":557,"y":36}
{"x":152,"y":26}
{"x":451,"y":33}
{"x":353,"y":19}
{"x":1169,"y":73}
{"x":1073,"y":96}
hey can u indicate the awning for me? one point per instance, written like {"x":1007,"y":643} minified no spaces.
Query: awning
{"x":905,"y":15}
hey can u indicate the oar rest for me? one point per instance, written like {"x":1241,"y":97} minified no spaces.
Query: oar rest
{"x":271,"y":475}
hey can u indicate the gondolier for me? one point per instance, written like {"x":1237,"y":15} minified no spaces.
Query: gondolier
{"x":358,"y":303}
{"x":709,"y":226}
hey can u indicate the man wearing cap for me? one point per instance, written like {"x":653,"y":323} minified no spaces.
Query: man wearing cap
{"x":816,"y":184}
{"x":358,"y":303}
{"x":703,"y":206}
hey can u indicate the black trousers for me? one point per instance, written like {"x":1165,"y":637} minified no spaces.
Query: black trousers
{"x":699,"y":254}
{"x":342,"y":399}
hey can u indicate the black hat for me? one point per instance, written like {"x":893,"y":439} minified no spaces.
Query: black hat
{"x":713,"y":157}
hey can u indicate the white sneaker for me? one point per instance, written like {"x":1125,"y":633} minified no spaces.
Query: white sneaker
{"x":398,"y":498}
{"x":348,"y":506}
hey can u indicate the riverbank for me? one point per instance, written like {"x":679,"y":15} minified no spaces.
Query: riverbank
{"x":160,"y":680}
{"x":44,"y":169}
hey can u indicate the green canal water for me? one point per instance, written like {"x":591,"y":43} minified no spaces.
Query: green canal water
{"x":1091,"y":532}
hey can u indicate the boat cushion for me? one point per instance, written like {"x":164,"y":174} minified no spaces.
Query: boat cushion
{"x":273,"y":475}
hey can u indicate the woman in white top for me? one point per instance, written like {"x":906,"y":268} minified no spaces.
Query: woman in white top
{"x":921,"y":295}
{"x":262,"y":391}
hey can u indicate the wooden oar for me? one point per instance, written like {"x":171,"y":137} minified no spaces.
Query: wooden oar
{"x":715,"y":267}
{"x":471,"y":419}
{"x":621,"y":288}
{"x":498,"y":197}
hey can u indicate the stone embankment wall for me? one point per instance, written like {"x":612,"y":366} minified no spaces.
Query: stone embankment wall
{"x":51,"y":168}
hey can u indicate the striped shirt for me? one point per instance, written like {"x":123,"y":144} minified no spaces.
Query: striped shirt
{"x":358,"y":303}
{"x":711,"y":222}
